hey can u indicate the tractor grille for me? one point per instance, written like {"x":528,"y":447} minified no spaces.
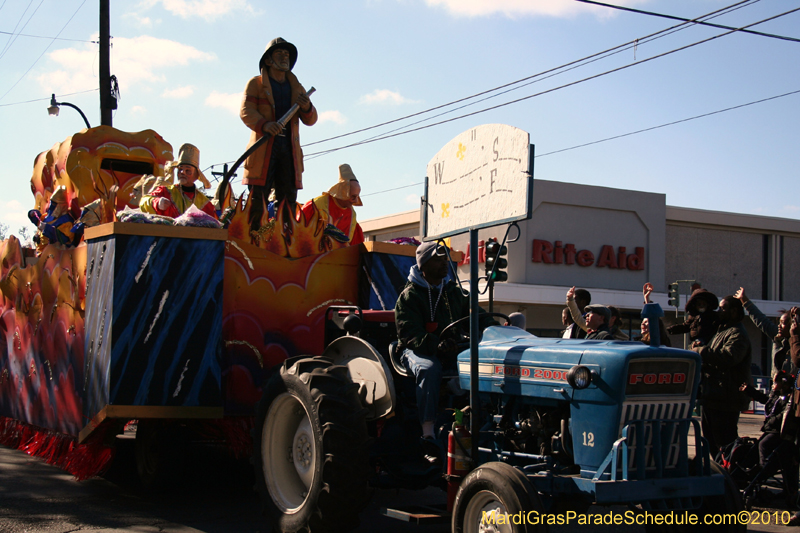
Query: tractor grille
{"x":653,"y":417}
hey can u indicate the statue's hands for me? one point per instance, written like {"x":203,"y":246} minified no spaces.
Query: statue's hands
{"x":163,"y":204}
{"x":272,"y":128}
{"x":304,"y":102}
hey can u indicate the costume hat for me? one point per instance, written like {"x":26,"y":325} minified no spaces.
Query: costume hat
{"x":341,"y":191}
{"x":189,"y":154}
{"x":280,"y":43}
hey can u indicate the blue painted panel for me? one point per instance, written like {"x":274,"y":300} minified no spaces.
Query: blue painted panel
{"x":97,"y":325}
{"x":154,"y":322}
{"x":386,"y":275}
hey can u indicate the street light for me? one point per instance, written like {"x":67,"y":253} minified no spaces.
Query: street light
{"x":53,"y":109}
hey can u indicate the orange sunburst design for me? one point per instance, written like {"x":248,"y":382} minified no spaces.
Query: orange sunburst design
{"x":274,"y":307}
{"x":286,"y":236}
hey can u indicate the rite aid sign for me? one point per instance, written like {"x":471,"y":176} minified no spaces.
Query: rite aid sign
{"x":558,"y":253}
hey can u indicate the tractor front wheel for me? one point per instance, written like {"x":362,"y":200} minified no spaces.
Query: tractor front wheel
{"x":310,"y":448}
{"x":497,"y":498}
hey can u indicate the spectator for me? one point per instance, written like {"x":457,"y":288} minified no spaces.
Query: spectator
{"x":776,"y":446}
{"x":566,"y":320}
{"x":597,"y":318}
{"x":577,"y":300}
{"x":614,"y":323}
{"x":517,"y":320}
{"x":726,"y":365}
{"x":662,"y":333}
{"x":701,"y":319}
{"x":647,"y":290}
{"x":794,"y":346}
{"x":778,"y":333}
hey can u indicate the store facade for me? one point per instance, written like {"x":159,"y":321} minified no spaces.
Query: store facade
{"x":611,"y":241}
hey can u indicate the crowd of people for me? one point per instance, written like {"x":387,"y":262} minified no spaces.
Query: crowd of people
{"x":717,"y":333}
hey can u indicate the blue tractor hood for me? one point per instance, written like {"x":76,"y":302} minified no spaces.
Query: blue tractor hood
{"x":630,"y":380}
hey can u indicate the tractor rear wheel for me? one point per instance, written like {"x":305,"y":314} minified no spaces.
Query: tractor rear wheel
{"x":310,"y":448}
{"x":498,"y":498}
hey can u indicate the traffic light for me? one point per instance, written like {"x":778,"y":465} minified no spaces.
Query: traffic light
{"x":495,"y":261}
{"x":674,"y":296}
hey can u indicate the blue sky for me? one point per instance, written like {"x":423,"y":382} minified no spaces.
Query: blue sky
{"x":182,"y":66}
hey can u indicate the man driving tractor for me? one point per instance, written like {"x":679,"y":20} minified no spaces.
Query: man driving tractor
{"x":430,"y":302}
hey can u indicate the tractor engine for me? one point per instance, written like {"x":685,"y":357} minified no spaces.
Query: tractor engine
{"x":537,"y":430}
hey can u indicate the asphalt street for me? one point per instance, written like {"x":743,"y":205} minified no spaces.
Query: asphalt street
{"x":214,"y":496}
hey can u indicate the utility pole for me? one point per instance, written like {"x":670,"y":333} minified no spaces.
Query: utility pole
{"x":107,"y":102}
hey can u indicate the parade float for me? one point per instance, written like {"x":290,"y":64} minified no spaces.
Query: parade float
{"x":160,"y":325}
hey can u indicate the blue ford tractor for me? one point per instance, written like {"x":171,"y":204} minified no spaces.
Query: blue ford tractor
{"x":564,"y":424}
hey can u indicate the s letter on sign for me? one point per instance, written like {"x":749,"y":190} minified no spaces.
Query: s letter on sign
{"x":481,"y":178}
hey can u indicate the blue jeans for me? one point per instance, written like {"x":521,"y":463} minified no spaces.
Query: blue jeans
{"x":428,"y":375}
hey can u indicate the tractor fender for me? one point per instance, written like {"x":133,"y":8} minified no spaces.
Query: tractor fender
{"x":367,"y":369}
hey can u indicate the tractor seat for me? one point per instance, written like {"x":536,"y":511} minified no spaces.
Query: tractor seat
{"x":395,"y":354}
{"x":394,"y":357}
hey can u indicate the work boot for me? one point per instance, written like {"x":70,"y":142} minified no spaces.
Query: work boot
{"x":431,"y":450}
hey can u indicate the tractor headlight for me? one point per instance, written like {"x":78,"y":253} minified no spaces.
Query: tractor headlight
{"x":579,"y":377}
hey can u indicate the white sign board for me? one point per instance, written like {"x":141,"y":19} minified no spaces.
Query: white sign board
{"x":481,"y":178}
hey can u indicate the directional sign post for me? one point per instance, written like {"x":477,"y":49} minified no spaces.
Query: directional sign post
{"x":480,"y":179}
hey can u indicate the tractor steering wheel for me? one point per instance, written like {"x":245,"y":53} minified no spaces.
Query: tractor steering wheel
{"x":462,"y":333}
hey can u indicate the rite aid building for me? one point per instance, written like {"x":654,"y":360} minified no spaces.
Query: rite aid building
{"x":612,"y":241}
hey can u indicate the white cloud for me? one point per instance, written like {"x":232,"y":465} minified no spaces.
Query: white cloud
{"x":412,"y":199}
{"x":515,"y":8}
{"x":142,"y":22}
{"x":178,"y":92}
{"x":331,"y":116}
{"x":13,"y":212}
{"x":143,"y":59}
{"x":232,"y":102}
{"x":206,"y":9}
{"x":138,"y":110}
{"x":793,"y":208}
{"x":385,"y":96}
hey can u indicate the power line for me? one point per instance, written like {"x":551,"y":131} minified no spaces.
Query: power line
{"x":395,"y":189}
{"x":550,"y":73}
{"x":629,"y":133}
{"x":10,"y":41}
{"x":636,"y":63}
{"x":772,"y":35}
{"x":43,"y":37}
{"x":573,"y":64}
{"x":44,"y":51}
{"x":670,"y":123}
{"x":47,"y":99}
{"x":560,"y":70}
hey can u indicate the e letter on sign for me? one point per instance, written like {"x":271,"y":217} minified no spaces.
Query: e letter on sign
{"x":481,"y":178}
